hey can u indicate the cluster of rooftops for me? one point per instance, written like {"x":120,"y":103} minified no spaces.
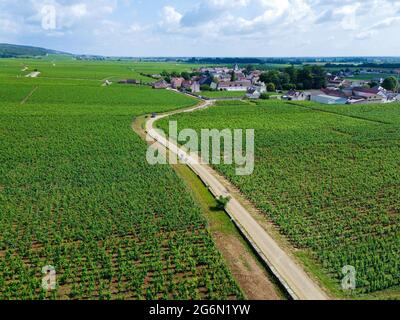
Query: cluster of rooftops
{"x":341,"y":91}
{"x":338,"y":90}
{"x":219,"y":78}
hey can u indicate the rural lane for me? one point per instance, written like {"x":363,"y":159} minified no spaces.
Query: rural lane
{"x":290,"y":274}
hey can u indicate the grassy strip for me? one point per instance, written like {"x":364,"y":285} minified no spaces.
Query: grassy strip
{"x":219,"y":221}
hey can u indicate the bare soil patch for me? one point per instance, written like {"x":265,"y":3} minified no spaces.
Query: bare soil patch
{"x":252,"y":278}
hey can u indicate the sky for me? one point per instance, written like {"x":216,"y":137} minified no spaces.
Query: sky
{"x":227,"y":28}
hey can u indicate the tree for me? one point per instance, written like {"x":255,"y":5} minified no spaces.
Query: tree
{"x":284,"y":80}
{"x":373,"y":84}
{"x":222,"y":202}
{"x":233,"y":76}
{"x":205,"y":87}
{"x":249,"y":69}
{"x":305,"y":78}
{"x":185,"y":75}
{"x":292,"y":72}
{"x":165,"y":74}
{"x":290,"y":86}
{"x":271,"y":87}
{"x":175,"y":74}
{"x":264,"y":96}
{"x":195,"y":74}
{"x":272,"y":76}
{"x":319,"y":77}
{"x":390,"y":83}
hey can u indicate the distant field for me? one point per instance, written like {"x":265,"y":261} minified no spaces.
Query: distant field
{"x":328,"y":178}
{"x":371,"y":76}
{"x":77,"y":193}
{"x":88,"y":70}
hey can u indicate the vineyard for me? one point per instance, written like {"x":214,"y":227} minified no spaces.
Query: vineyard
{"x":328,"y":177}
{"x":223,"y":94}
{"x":88,"y":70}
{"x":77,"y":193}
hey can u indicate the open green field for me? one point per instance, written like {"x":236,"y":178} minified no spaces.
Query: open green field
{"x":77,"y":193}
{"x":328,"y":177}
{"x":88,"y":70}
{"x":223,"y":94}
{"x":372,"y":76}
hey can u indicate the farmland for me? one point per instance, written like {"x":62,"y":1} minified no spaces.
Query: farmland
{"x":328,"y":178}
{"x":88,"y":70}
{"x":76,"y":193}
{"x":223,"y":94}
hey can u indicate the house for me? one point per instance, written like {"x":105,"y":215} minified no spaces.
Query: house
{"x":234,"y":86}
{"x":293,"y":95}
{"x":226,"y":77}
{"x":258,"y":87}
{"x":355,"y":100}
{"x":162,"y":84}
{"x":186,"y":84}
{"x":325,"y":99}
{"x":253,"y":95}
{"x":254,"y":92}
{"x":195,"y":88}
{"x":205,"y":80}
{"x":335,"y":81}
{"x":213,"y":86}
{"x":334,"y":93}
{"x":348,"y":92}
{"x":239,"y":76}
{"x":358,"y":83}
{"x":370,"y":94}
{"x":192,"y":86}
{"x":176,"y":83}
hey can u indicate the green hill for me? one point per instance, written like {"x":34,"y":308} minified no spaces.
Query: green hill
{"x":15,"y":51}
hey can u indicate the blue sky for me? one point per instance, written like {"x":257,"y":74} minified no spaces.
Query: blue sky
{"x":205,"y":27}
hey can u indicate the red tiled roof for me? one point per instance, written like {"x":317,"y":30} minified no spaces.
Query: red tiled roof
{"x":367,"y":90}
{"x":334,"y":93}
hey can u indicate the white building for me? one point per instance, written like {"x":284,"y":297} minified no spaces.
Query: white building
{"x":254,"y":96}
{"x":325,"y":99}
{"x":293,"y":95}
{"x":234,"y":86}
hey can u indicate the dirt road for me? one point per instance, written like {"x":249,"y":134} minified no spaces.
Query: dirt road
{"x":291,"y":275}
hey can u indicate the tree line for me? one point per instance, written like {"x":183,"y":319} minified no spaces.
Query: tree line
{"x":305,"y":78}
{"x":365,"y":65}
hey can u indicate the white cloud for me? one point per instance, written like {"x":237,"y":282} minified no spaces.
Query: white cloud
{"x":78,"y":10}
{"x":249,"y":27}
{"x":364,"y":35}
{"x":171,"y":16}
{"x":228,"y":3}
{"x":8,"y":26}
{"x":349,"y":13}
{"x":385,"y":23}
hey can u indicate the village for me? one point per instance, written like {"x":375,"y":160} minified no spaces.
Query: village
{"x":218,"y":79}
{"x":336,"y":88}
